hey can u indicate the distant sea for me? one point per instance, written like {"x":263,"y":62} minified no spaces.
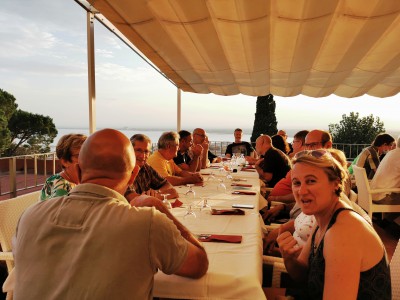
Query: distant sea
{"x":217,"y":135}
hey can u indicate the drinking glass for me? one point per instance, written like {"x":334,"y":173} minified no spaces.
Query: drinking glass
{"x":211,"y":177}
{"x":165,"y":201}
{"x":205,"y":207}
{"x":190,"y":195}
{"x":221,"y":187}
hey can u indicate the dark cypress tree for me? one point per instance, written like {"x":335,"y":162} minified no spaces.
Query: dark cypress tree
{"x":265,"y":119}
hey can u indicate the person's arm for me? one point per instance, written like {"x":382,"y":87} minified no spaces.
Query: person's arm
{"x":343,"y":259}
{"x":266,"y":176}
{"x":204,"y":162}
{"x":167,"y":188}
{"x":289,"y":198}
{"x":296,"y":264}
{"x":195,"y":264}
{"x":195,"y":163}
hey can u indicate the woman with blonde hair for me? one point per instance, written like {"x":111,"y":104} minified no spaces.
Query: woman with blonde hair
{"x":67,"y":151}
{"x":344,"y":258}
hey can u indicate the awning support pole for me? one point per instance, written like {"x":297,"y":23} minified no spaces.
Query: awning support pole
{"x":91,"y":72}
{"x":178,"y":110}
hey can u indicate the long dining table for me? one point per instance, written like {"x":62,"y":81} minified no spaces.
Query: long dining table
{"x":235,"y":269}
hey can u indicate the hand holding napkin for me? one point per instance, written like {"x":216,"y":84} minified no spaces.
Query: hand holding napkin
{"x":221,"y":238}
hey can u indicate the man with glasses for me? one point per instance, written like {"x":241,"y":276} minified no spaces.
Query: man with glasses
{"x":162,"y":161}
{"x":148,"y":180}
{"x":188,"y":157}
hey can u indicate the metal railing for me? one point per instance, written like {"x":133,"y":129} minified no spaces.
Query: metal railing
{"x":25,"y":172}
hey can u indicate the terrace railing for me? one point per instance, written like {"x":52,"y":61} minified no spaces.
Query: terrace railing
{"x":24,"y":173}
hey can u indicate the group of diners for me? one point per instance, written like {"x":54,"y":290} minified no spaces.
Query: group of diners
{"x":104,"y":211}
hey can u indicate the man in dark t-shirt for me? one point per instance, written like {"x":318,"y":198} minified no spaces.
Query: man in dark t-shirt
{"x":239,"y":146}
{"x":274,"y":164}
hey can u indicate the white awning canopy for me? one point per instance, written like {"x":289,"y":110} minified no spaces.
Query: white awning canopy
{"x":256,"y":47}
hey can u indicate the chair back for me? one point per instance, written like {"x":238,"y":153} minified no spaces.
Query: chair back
{"x":395,"y":272}
{"x":10,"y":212}
{"x":364,"y":196}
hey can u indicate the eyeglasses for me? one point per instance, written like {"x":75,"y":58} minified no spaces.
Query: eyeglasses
{"x":314,"y":153}
{"x":145,"y":152}
{"x":313,"y":145}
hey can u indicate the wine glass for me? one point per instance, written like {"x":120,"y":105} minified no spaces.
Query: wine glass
{"x":205,"y":207}
{"x":211,"y":177}
{"x":190,"y":195}
{"x":221,"y":187}
{"x":165,"y":201}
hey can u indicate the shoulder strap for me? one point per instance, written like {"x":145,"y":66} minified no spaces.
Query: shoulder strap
{"x":335,"y":214}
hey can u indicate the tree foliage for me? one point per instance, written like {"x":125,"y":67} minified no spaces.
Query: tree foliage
{"x":265,"y":119}
{"x":355,"y":130}
{"x":7,"y":109}
{"x":23,"y":132}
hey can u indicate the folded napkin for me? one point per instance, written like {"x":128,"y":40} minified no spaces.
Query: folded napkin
{"x":235,"y":211}
{"x":221,"y":238}
{"x":249,"y":170}
{"x":239,"y":179}
{"x":176,"y":203}
{"x":243,"y":193}
{"x":241,"y":184}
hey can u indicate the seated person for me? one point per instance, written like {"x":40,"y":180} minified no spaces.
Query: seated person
{"x":274,"y":164}
{"x":283,"y":134}
{"x":280,"y":143}
{"x":239,"y":147}
{"x":299,"y":140}
{"x":147,"y":179}
{"x":67,"y":151}
{"x":334,"y":263}
{"x":369,"y":157}
{"x":388,"y":176}
{"x":91,"y":244}
{"x":207,"y":157}
{"x":162,"y":161}
{"x":189,"y":155}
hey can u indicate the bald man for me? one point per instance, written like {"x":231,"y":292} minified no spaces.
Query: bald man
{"x":273,"y":164}
{"x":91,"y":244}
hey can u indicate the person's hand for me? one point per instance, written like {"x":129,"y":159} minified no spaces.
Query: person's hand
{"x":146,"y":201}
{"x":258,"y":162}
{"x":197,"y":150}
{"x":217,"y":159}
{"x":196,"y":177}
{"x":205,"y":144}
{"x":270,"y":214}
{"x":287,"y":244}
{"x":270,"y":239}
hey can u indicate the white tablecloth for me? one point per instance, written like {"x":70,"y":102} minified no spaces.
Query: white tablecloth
{"x":235,"y":270}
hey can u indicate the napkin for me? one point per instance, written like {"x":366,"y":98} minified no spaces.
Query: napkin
{"x":243,"y":193}
{"x":176,"y":203}
{"x":235,"y":211}
{"x":221,"y":238}
{"x":249,"y":170}
{"x":241,"y":184}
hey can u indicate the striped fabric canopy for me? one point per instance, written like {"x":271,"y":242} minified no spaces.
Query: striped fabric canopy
{"x":256,"y":47}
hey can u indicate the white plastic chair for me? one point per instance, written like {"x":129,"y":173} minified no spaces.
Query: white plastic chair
{"x":395,"y":272}
{"x":10,"y":211}
{"x":365,"y":194}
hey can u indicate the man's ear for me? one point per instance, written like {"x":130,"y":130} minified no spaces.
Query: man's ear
{"x":135,"y":171}
{"x":79,"y":172}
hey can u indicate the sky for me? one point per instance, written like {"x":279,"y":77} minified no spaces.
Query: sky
{"x":43,"y":63}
